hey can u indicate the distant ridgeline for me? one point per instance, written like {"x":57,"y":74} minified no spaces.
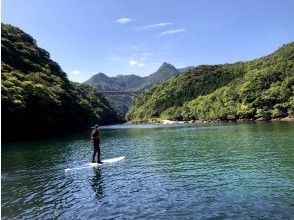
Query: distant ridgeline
{"x":37,"y":98}
{"x":102,"y":82}
{"x":262,"y":88}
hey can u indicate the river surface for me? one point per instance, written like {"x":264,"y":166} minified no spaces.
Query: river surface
{"x":199,"y":171}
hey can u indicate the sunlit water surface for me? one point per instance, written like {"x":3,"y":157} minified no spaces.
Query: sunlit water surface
{"x":195,"y":171}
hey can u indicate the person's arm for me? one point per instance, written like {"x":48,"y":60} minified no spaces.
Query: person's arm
{"x":98,"y":134}
{"x":92,"y":135}
{"x":95,"y":134}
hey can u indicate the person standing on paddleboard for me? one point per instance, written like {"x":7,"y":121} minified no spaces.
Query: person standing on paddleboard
{"x":96,"y":143}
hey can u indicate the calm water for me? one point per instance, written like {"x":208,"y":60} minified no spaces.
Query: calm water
{"x":219,"y":171}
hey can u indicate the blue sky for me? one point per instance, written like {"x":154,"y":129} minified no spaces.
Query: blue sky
{"x":136,"y":37}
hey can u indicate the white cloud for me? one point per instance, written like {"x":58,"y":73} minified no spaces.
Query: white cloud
{"x":147,"y":27}
{"x":75,"y":72}
{"x":123,"y":20}
{"x":132,"y":62}
{"x":135,"y":63}
{"x":174,"y":31}
{"x":132,"y":55}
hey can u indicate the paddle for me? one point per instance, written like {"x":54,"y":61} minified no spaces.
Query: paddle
{"x":86,"y":154}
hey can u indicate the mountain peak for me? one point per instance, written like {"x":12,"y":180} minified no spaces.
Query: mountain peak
{"x":133,"y":82}
{"x":164,"y":72}
{"x":99,"y":77}
{"x":100,"y":74}
{"x":166,"y":64}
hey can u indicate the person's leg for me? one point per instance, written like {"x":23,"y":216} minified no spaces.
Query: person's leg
{"x":99,"y":154}
{"x":94,"y":154}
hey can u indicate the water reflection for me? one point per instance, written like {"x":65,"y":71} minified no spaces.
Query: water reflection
{"x":235,"y":171}
{"x":97,"y":183}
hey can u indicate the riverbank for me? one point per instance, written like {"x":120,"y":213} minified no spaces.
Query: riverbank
{"x":166,"y":121}
{"x":239,"y":120}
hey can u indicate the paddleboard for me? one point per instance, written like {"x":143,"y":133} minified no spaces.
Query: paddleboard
{"x":106,"y":161}
{"x":113,"y":160}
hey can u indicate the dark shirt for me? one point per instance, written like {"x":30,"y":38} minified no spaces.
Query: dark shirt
{"x":96,"y":136}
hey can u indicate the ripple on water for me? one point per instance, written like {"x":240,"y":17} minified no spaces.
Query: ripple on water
{"x":236,"y":171}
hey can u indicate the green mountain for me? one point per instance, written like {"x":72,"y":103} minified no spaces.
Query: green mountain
{"x":105,"y":83}
{"x":102,"y":82}
{"x":181,"y":70}
{"x":37,"y":99}
{"x":262,"y":88}
{"x":164,"y":72}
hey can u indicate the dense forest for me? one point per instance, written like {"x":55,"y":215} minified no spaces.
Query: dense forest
{"x":37,"y":98}
{"x":258,"y":89}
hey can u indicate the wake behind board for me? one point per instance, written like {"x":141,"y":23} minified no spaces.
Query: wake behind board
{"x":87,"y":165}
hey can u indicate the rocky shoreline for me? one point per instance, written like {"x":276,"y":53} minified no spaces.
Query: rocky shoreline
{"x":166,"y":121}
{"x":289,"y":118}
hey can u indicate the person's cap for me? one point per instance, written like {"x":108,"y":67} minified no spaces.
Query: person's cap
{"x":95,"y":127}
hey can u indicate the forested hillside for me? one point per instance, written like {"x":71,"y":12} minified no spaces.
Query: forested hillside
{"x":165,"y":72}
{"x":102,"y":82}
{"x":262,"y":88}
{"x":132,"y":82}
{"x":37,"y":98}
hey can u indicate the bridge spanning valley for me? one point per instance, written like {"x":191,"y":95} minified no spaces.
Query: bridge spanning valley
{"x":128,"y":93}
